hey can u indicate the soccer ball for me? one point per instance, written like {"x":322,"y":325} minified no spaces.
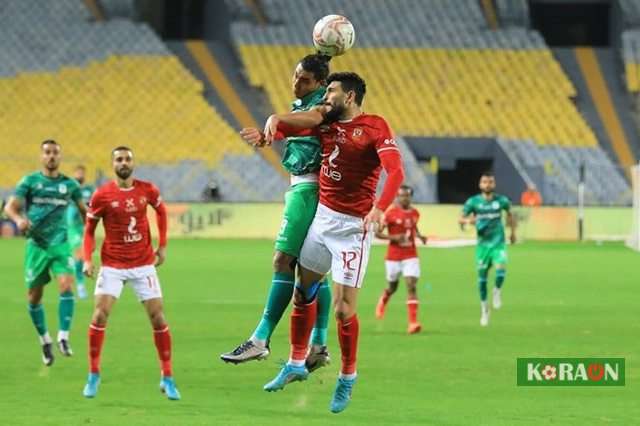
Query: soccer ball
{"x":333,"y":35}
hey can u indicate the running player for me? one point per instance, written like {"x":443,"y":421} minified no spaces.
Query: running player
{"x":45,"y":196}
{"x":402,"y":256}
{"x":302,"y":160}
{"x":75,"y":223}
{"x":127,"y":257}
{"x":354,"y":147}
{"x":485,"y":211}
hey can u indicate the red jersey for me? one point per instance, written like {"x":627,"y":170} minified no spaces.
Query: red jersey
{"x":400,"y":221}
{"x":123,"y":212}
{"x":351,"y":164}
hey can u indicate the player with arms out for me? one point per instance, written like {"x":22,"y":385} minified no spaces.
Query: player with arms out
{"x":355,"y":148}
{"x":127,"y":257}
{"x":75,"y":223}
{"x":301,"y":159}
{"x":485,"y":211}
{"x":401,"y":220}
{"x":45,"y":197}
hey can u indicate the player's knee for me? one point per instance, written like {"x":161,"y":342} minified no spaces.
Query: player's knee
{"x":100,"y":316}
{"x":35,"y":295}
{"x":157,"y":318}
{"x":283,"y":263}
{"x":343,"y":310}
{"x":393,"y":286}
{"x":411,"y":288}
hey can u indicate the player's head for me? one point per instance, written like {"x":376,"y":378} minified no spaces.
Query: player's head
{"x":51,"y":154}
{"x":122,"y":159}
{"x":487,"y":182}
{"x":345,"y":91}
{"x":405,"y":192}
{"x":310,"y":73}
{"x":79,"y":172}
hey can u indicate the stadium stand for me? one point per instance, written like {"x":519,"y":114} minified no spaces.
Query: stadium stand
{"x":443,"y":73}
{"x":96,"y":85}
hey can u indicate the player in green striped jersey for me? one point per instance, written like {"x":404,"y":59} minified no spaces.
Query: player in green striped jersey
{"x":39,"y":210}
{"x":485,"y":211}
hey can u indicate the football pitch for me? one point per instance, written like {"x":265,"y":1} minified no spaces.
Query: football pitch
{"x":560,"y":300}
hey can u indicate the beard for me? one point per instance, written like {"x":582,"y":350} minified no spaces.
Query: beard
{"x":52,"y":165}
{"x":124,"y":173}
{"x":335,"y":113}
{"x":487,"y":191}
{"x":80,"y":180}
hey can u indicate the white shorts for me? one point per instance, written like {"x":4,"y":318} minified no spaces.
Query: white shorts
{"x":337,"y":242}
{"x":144,"y":281}
{"x":406,"y":267}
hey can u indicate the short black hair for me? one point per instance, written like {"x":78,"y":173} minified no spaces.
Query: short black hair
{"x":406,"y":188}
{"x":121,"y":148}
{"x":316,"y":64}
{"x":488,"y":173}
{"x":49,"y":142}
{"x":350,"y":81}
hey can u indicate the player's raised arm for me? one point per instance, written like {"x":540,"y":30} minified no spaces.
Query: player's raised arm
{"x":162,"y":221}
{"x":279,"y":126}
{"x":391,"y":160}
{"x":12,"y":209}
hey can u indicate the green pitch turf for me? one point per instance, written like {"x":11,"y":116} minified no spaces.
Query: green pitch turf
{"x":559,"y":300}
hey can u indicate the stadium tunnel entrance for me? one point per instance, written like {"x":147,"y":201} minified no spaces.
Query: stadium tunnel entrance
{"x":461,"y":161}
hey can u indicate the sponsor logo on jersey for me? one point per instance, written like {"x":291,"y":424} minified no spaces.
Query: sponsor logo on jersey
{"x":330,"y":170}
{"x":134,"y":236}
{"x":341,"y":135}
{"x":390,"y":142}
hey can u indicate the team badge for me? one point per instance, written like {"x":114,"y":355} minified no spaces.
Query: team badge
{"x":62,"y":188}
{"x":357,"y":132}
{"x":495,"y":205}
{"x":115,"y":204}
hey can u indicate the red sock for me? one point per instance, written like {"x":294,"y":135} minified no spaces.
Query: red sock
{"x":303,"y":318}
{"x":412,"y":308}
{"x":385,"y":296}
{"x":162,"y":338}
{"x":96,"y":337}
{"x":348,"y":331}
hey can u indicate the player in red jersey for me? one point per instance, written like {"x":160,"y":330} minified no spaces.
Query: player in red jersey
{"x":355,"y":148}
{"x":127,"y":257}
{"x":401,"y":220}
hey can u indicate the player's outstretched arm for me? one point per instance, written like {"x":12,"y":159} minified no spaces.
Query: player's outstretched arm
{"x":88,"y":245}
{"x":162,"y":220}
{"x":12,"y":210}
{"x":279,"y":126}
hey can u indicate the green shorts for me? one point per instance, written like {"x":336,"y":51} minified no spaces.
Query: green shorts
{"x":40,"y":262}
{"x":300,"y":203}
{"x":487,"y":256}
{"x":74,"y":237}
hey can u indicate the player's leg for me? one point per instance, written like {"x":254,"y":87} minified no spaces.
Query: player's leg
{"x":350,"y":249}
{"x":75,"y":242}
{"x":315,"y":261}
{"x":483,"y":264}
{"x":299,"y":209}
{"x":145,"y":283}
{"x":500,"y":260}
{"x":393,"y":270}
{"x":318,"y":355}
{"x":411,"y":273}
{"x":62,"y":267}
{"x":108,"y":288}
{"x":36,"y":269}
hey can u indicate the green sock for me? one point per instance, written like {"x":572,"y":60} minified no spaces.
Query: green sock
{"x":482,"y":285}
{"x":279,"y":297}
{"x":319,"y":334}
{"x":65,"y":310}
{"x":79,"y":274}
{"x":36,"y":312}
{"x":500,"y":275}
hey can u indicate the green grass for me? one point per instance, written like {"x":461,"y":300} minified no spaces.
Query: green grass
{"x":559,"y":300}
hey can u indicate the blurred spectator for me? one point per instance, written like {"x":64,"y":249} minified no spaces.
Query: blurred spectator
{"x":531,"y":197}
{"x":211,"y":192}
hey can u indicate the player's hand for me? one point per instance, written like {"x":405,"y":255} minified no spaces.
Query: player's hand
{"x":253,"y":136}
{"x":423,"y":239}
{"x":23,"y":224}
{"x":512,"y":238}
{"x":161,"y":255}
{"x":87,"y":269}
{"x":375,"y":217}
{"x":271,"y":128}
